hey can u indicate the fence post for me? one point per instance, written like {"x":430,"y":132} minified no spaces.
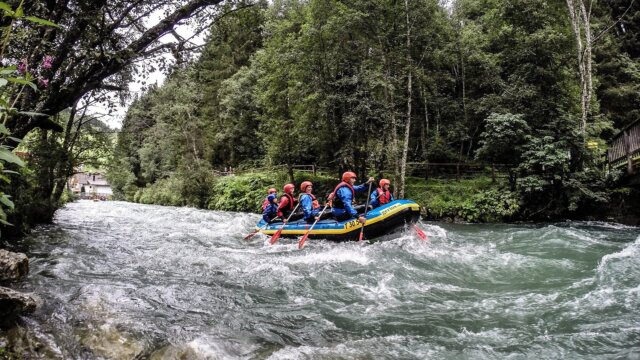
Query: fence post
{"x":313,"y":169}
{"x":426,"y":170}
{"x":458,"y":171}
{"x":627,"y":145}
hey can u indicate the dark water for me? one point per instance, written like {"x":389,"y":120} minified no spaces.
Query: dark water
{"x":126,"y":281}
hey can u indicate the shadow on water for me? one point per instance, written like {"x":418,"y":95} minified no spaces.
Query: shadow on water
{"x":120,"y":280}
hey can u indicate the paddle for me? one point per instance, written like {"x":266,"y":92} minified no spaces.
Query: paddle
{"x":275,"y":236}
{"x":255,"y":232}
{"x":306,"y":235}
{"x":366,"y":209}
{"x":421,"y":233}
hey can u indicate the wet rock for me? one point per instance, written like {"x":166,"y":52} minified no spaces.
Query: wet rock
{"x":110,"y":342}
{"x":13,"y":266}
{"x":21,"y":343}
{"x":12,"y":304}
{"x":176,"y":352}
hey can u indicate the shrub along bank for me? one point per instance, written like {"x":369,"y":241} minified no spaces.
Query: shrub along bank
{"x":468,"y":200}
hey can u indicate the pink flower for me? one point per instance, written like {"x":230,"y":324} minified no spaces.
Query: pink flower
{"x":46,"y":63}
{"x":43,"y":82}
{"x":22,"y":66}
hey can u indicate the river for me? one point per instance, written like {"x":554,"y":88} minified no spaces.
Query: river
{"x":121,"y":281}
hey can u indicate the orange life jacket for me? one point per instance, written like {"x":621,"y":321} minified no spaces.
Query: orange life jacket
{"x":384,"y":197}
{"x":290,"y":206}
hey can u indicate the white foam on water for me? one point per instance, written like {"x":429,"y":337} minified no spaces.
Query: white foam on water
{"x":334,"y":255}
{"x":630,"y":251}
{"x":218,"y":349}
{"x":424,"y":288}
{"x":381,"y":293}
{"x":434,"y":231}
{"x":607,"y":225}
{"x":393,"y":347}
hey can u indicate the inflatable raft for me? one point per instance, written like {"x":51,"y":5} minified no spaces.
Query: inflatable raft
{"x":380,"y":221}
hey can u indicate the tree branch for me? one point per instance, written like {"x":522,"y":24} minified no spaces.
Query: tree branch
{"x":597,"y":37}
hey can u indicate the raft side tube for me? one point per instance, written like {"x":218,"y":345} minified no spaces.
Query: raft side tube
{"x":380,"y":221}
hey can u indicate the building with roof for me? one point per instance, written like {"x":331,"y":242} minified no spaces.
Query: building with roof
{"x":90,"y":185}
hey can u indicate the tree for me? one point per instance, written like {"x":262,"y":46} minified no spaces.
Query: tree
{"x":580,"y":15}
{"x":95,"y":47}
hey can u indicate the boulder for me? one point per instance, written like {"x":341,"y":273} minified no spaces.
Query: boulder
{"x":12,"y":304}
{"x":13,"y":266}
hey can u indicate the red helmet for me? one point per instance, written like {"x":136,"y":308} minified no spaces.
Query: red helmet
{"x":272,"y":191}
{"x":303,"y":186}
{"x":348,"y":175}
{"x":384,"y":182}
{"x":288,"y":188}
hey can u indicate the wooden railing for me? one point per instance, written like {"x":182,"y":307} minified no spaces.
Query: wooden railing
{"x":457,"y":170}
{"x":624,"y":148}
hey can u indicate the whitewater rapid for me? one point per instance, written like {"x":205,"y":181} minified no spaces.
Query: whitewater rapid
{"x":121,"y":281}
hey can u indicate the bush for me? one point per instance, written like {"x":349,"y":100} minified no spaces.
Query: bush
{"x":493,"y":205}
{"x":472,"y":200}
{"x":163,"y":192}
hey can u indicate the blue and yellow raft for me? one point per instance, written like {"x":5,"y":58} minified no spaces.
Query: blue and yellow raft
{"x":380,"y":221}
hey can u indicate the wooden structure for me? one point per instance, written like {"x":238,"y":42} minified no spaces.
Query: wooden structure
{"x":624,"y":148}
{"x":457,"y":170}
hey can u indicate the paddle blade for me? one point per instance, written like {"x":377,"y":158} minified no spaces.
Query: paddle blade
{"x":361,"y":236}
{"x":421,"y":233}
{"x":275,"y":236}
{"x":302,"y":241}
{"x":251,"y":235}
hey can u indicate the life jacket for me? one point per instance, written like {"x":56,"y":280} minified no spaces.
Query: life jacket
{"x":336,"y":202}
{"x":314,"y":202}
{"x":290,"y":206}
{"x":384,"y":197}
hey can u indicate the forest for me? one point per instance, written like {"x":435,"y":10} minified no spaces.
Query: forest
{"x":384,"y":88}
{"x":371,"y":86}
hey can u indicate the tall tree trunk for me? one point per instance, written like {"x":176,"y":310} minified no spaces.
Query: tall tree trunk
{"x":580,"y":18}
{"x":407,"y":128}
{"x":425,"y":136}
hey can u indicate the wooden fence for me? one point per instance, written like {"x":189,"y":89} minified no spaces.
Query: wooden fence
{"x":457,"y":170}
{"x":624,"y":148}
{"x":421,"y":169}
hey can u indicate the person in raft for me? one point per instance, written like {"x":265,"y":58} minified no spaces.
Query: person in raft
{"x":266,"y":201}
{"x":381,"y":195}
{"x":270,"y":212}
{"x":343,"y":195}
{"x":287,"y":202}
{"x":308,"y":202}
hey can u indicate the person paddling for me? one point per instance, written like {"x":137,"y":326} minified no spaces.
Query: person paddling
{"x":287,"y":202}
{"x":343,"y":195}
{"x":308,"y":202}
{"x":266,"y":201}
{"x":270,"y":211}
{"x":381,"y":195}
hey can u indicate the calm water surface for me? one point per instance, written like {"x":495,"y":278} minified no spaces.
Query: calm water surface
{"x":123,"y":281}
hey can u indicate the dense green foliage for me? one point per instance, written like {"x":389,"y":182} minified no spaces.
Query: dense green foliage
{"x":358,"y":84}
{"x":472,"y":200}
{"x":243,"y":192}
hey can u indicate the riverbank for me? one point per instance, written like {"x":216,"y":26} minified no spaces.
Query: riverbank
{"x":468,"y":200}
{"x":474,"y":200}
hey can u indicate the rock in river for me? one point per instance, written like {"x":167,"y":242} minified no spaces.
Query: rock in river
{"x":13,"y":266}
{"x":12,"y":304}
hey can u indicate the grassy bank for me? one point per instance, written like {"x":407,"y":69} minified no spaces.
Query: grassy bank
{"x":472,"y":200}
{"x":244,"y":192}
{"x":469,"y":200}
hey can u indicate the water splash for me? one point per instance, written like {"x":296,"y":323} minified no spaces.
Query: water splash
{"x":122,"y":280}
